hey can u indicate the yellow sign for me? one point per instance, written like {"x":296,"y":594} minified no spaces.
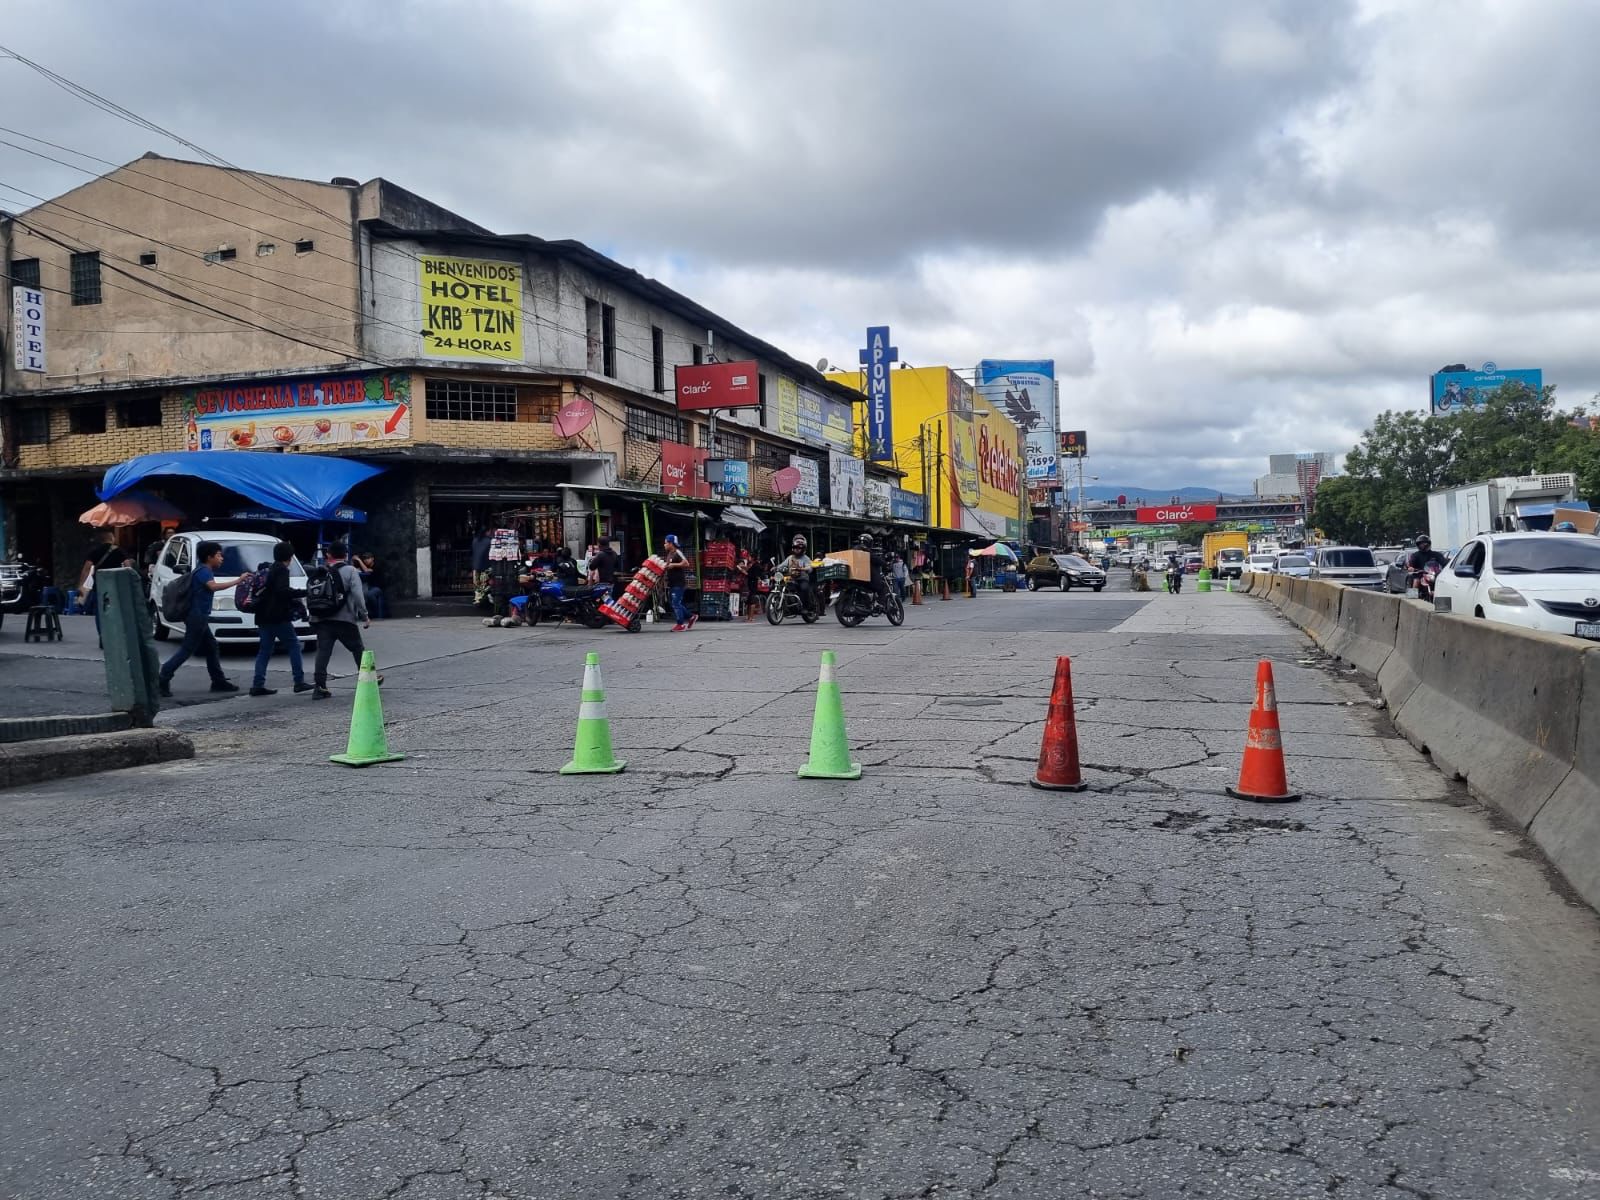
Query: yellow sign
{"x":471,"y":308}
{"x":964,"y":458}
{"x":788,"y":407}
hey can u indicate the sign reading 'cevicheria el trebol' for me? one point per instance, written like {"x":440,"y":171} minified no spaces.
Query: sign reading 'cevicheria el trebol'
{"x":341,"y":410}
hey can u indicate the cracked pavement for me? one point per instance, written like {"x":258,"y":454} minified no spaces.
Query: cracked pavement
{"x":462,"y":975}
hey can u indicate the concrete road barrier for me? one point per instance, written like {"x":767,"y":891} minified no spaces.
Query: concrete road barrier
{"x":1567,"y":828}
{"x":1322,"y":601}
{"x":1278,"y":593}
{"x":1367,"y":628}
{"x":23,"y":763}
{"x":1401,"y":673}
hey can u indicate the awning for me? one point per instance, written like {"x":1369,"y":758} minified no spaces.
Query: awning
{"x":305,"y":487}
{"x":741,"y":517}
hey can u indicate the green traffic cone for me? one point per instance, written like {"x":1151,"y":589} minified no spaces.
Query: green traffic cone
{"x":830,"y":748}
{"x":367,"y":744}
{"x":591,"y":750}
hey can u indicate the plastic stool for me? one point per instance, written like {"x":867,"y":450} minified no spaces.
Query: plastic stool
{"x":53,"y":598}
{"x":43,"y":622}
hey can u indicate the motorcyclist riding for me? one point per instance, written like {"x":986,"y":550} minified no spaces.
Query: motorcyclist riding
{"x":880,"y":586}
{"x":1423,"y":554}
{"x":798,"y":564}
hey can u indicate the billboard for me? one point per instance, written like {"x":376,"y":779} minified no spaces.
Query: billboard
{"x":736,"y":477}
{"x":876,"y":358}
{"x":1176,"y":514}
{"x":1074,"y":443}
{"x":1025,"y":391}
{"x":471,"y":308}
{"x":809,"y":489}
{"x":680,"y":471}
{"x":341,"y":410}
{"x":878,"y":502}
{"x":1458,"y":391}
{"x":847,"y":483}
{"x":27,"y":328}
{"x":717,"y":385}
{"x":813,"y":417}
{"x":964,"y":459}
{"x":906,"y":505}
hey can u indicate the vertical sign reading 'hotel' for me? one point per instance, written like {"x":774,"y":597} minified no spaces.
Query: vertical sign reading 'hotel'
{"x":27,"y":328}
{"x":471,"y":308}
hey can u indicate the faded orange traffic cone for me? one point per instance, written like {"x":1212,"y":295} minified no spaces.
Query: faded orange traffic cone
{"x":1262,"y":775}
{"x":1058,"y":752}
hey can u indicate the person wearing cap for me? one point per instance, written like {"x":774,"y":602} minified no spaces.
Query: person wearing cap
{"x":677,"y":580}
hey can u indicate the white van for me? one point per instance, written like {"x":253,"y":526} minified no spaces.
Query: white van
{"x":241,"y":552}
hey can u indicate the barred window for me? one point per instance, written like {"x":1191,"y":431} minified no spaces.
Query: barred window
{"x":653,"y":426}
{"x":538,"y":404}
{"x":86,"y":277}
{"x":727,"y":445}
{"x":773,"y":457}
{"x":25,"y":273}
{"x":33,"y":426}
{"x":139,"y":412}
{"x":468,"y":400}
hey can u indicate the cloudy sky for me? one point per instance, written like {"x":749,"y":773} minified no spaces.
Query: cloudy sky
{"x":1239,"y":227}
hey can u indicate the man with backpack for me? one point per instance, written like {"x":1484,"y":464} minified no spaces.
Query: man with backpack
{"x":273,"y":603}
{"x":197,"y":635}
{"x":338,"y":610}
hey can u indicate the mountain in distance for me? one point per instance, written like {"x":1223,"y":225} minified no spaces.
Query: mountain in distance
{"x":1154,"y":495}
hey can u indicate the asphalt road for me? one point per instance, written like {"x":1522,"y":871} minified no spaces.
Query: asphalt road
{"x":463,"y":975}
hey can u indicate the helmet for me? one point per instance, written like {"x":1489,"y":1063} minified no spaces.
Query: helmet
{"x":1424,"y":540}
{"x":1565,"y":527}
{"x":865,"y":541}
{"x":799,"y":543}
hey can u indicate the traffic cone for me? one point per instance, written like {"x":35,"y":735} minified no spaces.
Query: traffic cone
{"x":591,"y":749}
{"x":830,"y":748}
{"x":368,"y":743}
{"x":1262,"y":775}
{"x":1058,"y":752}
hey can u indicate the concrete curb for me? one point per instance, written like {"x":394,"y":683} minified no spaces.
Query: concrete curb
{"x":27,"y":729}
{"x":23,"y":763}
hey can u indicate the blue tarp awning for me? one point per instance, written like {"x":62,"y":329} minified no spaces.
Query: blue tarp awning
{"x":305,"y":487}
{"x":1546,"y":508}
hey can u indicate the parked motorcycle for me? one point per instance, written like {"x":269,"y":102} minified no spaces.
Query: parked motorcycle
{"x":856,"y":601}
{"x":785,"y":601}
{"x":560,"y":601}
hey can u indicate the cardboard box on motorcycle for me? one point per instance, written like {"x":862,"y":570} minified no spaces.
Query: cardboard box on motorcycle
{"x":859,"y":562}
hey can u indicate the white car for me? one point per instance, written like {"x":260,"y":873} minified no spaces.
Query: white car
{"x":1294,"y":564}
{"x":1547,"y":581}
{"x":1259,"y":564}
{"x":241,"y":552}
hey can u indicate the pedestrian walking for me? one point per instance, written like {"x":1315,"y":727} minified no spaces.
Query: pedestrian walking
{"x":677,"y":578}
{"x":197,"y":635}
{"x":603,"y":566}
{"x":902,"y":578}
{"x":338,"y":614}
{"x":275,"y":612}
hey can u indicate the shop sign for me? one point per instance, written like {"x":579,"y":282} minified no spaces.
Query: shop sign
{"x":906,"y":506}
{"x":27,"y":328}
{"x":997,"y":460}
{"x":964,"y":459}
{"x":876,"y":358}
{"x":717,"y":385}
{"x":812,"y":417}
{"x":809,"y":490}
{"x":344,"y":410}
{"x":1074,"y":443}
{"x":736,"y":478}
{"x":471,"y":308}
{"x":878,"y":497}
{"x":680,"y":471}
{"x":847,"y":483}
{"x":1176,"y":514}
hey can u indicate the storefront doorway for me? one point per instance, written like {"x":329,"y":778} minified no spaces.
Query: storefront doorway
{"x":454,"y":514}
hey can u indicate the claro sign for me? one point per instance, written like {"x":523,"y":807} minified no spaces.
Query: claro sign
{"x":1176,"y":514}
{"x":717,"y":385}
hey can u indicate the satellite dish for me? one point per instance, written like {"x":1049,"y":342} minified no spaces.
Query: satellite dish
{"x":822,"y":364}
{"x":786,"y":480}
{"x":574,"y":419}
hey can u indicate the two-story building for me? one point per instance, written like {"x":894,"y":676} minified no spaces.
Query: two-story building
{"x":501,"y":380}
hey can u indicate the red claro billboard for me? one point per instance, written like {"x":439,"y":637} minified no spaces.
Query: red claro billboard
{"x":717,"y":385}
{"x":1176,"y":514}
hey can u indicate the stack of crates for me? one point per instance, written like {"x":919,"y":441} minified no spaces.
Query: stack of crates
{"x":717,"y":579}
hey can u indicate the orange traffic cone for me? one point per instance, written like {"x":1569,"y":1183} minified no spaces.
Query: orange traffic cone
{"x":1261,"y":774}
{"x":1058,"y":752}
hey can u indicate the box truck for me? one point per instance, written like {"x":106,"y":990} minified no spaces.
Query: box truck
{"x":1503,"y":505}
{"x":1224,"y":553}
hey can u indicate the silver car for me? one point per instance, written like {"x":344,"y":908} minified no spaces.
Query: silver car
{"x":1351,"y":566}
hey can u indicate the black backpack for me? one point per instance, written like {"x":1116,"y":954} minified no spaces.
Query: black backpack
{"x":325,"y":591}
{"x":175,"y":597}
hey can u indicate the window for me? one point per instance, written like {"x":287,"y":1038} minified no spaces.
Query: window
{"x":653,"y":426}
{"x":25,"y":272}
{"x":464,"y":400}
{"x":773,"y":457}
{"x":139,"y":412}
{"x":658,"y":357}
{"x":725,"y":445}
{"x":147,"y":259}
{"x":86,"y":277}
{"x":304,"y":247}
{"x":1346,"y":558}
{"x":216,"y":256}
{"x":33,"y":426}
{"x":87,"y":418}
{"x":265,"y":248}
{"x":538,"y":404}
{"x":608,"y":340}
{"x":699,"y":356}
{"x":591,"y":326}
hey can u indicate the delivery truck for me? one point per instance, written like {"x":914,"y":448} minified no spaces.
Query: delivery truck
{"x":1224,"y":553}
{"x":1504,"y":505}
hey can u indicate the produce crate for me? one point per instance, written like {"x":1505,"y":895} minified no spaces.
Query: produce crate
{"x":714,"y":606}
{"x":831,"y":571}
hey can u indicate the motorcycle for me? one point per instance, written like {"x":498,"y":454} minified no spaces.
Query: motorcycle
{"x":1424,"y":579}
{"x":857,"y":601}
{"x":785,"y":601}
{"x":559,"y":601}
{"x":1175,"y":579}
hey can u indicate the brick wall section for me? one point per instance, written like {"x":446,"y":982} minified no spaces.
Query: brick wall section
{"x":67,"y":449}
